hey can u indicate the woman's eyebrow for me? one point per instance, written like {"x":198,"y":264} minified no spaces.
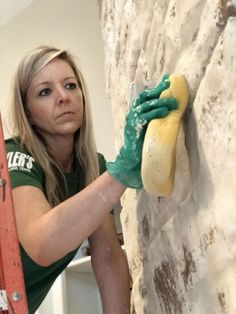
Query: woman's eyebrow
{"x":48,"y":82}
{"x":70,"y":77}
{"x":42,"y":83}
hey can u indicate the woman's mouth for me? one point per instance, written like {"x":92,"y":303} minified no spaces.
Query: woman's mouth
{"x":64,"y":114}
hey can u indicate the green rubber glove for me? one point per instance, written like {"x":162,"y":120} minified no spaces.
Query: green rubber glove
{"x":146,"y":107}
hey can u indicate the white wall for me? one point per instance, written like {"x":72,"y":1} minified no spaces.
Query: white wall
{"x":70,"y":24}
{"x":11,"y":8}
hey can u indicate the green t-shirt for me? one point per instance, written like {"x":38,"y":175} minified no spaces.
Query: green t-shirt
{"x":24,"y":170}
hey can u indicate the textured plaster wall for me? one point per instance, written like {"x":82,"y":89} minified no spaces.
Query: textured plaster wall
{"x":181,"y":249}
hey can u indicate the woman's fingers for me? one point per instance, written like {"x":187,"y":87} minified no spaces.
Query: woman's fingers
{"x":155,"y":92}
{"x":155,"y":114}
{"x":169,"y":103}
{"x":165,"y":77}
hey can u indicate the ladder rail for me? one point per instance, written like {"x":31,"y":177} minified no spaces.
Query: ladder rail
{"x":11,"y":273}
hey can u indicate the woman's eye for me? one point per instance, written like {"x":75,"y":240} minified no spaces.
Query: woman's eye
{"x":71,"y":85}
{"x":45,"y":92}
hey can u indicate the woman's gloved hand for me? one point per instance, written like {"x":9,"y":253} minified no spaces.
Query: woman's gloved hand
{"x":147,"y":106}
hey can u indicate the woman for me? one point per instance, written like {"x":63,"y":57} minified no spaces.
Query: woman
{"x":62,"y":192}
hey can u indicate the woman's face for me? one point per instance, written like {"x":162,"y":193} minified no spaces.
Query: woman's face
{"x":55,"y":101}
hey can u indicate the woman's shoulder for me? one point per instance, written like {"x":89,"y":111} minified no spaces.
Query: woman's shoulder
{"x":22,"y":167}
{"x":12,"y":141}
{"x":14,"y":144}
{"x":101,"y":157}
{"x":102,"y":163}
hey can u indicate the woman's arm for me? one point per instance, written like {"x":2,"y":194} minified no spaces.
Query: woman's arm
{"x":110,"y":268}
{"x":48,"y":234}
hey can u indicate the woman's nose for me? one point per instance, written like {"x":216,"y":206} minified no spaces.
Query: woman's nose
{"x":62,"y":95}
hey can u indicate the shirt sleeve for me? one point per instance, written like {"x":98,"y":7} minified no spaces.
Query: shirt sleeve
{"x":22,"y":167}
{"x":102,"y":163}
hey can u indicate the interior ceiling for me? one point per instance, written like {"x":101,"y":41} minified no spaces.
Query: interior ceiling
{"x":10,"y":8}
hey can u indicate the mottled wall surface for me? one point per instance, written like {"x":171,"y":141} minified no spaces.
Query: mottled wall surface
{"x":181,"y":249}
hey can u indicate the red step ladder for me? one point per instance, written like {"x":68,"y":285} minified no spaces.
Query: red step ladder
{"x":12,"y":288}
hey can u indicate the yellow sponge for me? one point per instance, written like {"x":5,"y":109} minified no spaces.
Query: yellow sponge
{"x":159,"y":148}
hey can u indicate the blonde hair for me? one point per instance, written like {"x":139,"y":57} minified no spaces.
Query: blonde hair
{"x":84,"y":144}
